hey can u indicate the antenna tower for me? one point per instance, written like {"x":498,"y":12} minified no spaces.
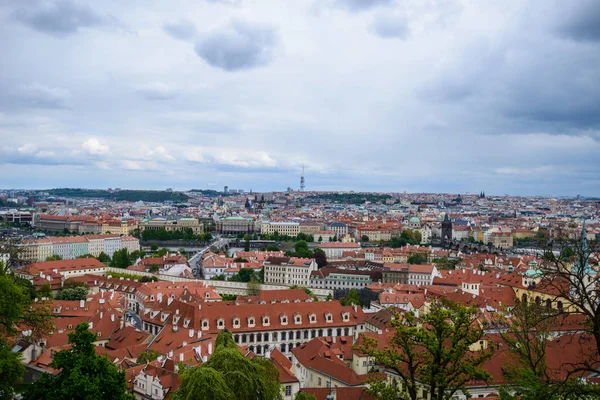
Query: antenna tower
{"x":302,"y":180}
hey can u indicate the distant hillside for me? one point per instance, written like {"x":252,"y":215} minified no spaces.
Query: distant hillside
{"x":154,"y":196}
{"x":210,"y":192}
{"x":349,"y":198}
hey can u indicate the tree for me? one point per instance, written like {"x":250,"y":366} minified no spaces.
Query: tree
{"x":351,"y":298}
{"x":417,"y":258}
{"x":154,"y":247}
{"x":120,"y":259}
{"x":154,"y":268}
{"x":11,"y":370}
{"x":228,"y":374}
{"x":247,"y":244}
{"x":254,"y":287}
{"x":78,"y":293}
{"x":302,"y":250}
{"x":83,"y":375}
{"x":162,"y":252}
{"x":71,"y":284}
{"x":364,"y":238}
{"x":320,"y":239}
{"x":240,"y":259}
{"x":148,"y":279}
{"x":304,"y":396}
{"x":320,"y":257}
{"x":574,"y":282}
{"x":45,"y":292}
{"x":529,"y":329}
{"x":146,"y":356}
{"x":433,"y":350}
{"x":54,"y":257}
{"x":103,"y":257}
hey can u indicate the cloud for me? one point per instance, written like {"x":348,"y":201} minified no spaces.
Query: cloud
{"x":94,"y":147}
{"x":59,"y":18}
{"x":390,"y":26}
{"x":157,"y":91}
{"x":42,"y":96}
{"x":182,"y":30}
{"x":580,"y":21}
{"x":159,"y":153}
{"x":238,"y":45}
{"x":362,"y":5}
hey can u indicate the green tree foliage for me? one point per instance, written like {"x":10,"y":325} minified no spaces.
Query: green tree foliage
{"x":134,"y":255}
{"x":302,"y":250}
{"x":103,"y":257}
{"x":349,"y":198}
{"x":148,"y":279}
{"x":88,"y":255}
{"x":240,"y":259}
{"x":304,"y":396}
{"x":364,"y":238}
{"x":254,"y":287}
{"x":407,"y":236}
{"x":446,"y":263}
{"x":147,"y":356}
{"x":529,"y":329}
{"x":417,"y":258}
{"x":230,"y":375}
{"x":45,"y":292}
{"x":54,"y":257}
{"x":245,"y":275}
{"x":71,"y":284}
{"x":83,"y":375}
{"x":220,"y":277}
{"x":433,"y":350}
{"x":120,"y":259}
{"x":272,"y":247}
{"x":154,"y":268}
{"x":162,"y":252}
{"x":77,"y":293}
{"x":351,"y":298}
{"x":154,"y":196}
{"x":181,"y":234}
{"x":247,"y":244}
{"x":154,"y":247}
{"x":17,"y":309}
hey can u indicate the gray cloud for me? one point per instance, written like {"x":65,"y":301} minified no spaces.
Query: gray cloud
{"x":238,"y":45}
{"x":182,"y":30}
{"x":390,"y":26}
{"x":41,"y":96}
{"x":59,"y":18}
{"x":582,"y":21}
{"x":362,"y":5}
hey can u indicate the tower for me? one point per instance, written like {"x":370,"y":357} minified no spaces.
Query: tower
{"x":302,"y":180}
{"x":446,"y":229}
{"x":581,"y":271}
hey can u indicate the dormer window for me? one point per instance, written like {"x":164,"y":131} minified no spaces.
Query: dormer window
{"x":251,"y":322}
{"x":346,"y":317}
{"x":186,"y":322}
{"x":220,"y":323}
{"x":236,"y":322}
{"x":297,"y":319}
{"x":265,"y":320}
{"x":328,"y":317}
{"x":204,"y":324}
{"x":152,"y":298}
{"x":284,"y":320}
{"x":312,"y":318}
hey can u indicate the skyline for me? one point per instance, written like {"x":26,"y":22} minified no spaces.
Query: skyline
{"x":381,"y":95}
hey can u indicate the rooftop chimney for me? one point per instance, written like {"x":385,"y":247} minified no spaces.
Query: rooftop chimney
{"x":191,"y":333}
{"x":209,"y":348}
{"x":181,"y":357}
{"x":112,"y":317}
{"x":81,"y":303}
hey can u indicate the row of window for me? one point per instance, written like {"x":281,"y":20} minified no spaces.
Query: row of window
{"x":312,"y":318}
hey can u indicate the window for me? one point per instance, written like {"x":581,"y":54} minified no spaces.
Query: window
{"x":288,"y":390}
{"x":236,"y":322}
{"x":319,"y":382}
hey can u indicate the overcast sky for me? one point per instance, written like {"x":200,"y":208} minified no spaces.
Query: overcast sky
{"x":380,"y":95}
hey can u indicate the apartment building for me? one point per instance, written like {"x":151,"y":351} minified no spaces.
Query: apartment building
{"x":337,"y":249}
{"x":282,"y":227}
{"x":289,"y":271}
{"x":71,"y":247}
{"x":335,"y":278}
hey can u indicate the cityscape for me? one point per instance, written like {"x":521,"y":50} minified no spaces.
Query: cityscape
{"x":308,"y":200}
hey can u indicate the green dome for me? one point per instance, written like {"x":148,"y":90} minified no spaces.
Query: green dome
{"x":414,"y":220}
{"x":533,"y":273}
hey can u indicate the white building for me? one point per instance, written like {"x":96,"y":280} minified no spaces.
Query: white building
{"x":289,"y":271}
{"x":337,"y":249}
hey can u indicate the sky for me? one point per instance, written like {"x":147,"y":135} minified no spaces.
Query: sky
{"x":454,"y":96}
